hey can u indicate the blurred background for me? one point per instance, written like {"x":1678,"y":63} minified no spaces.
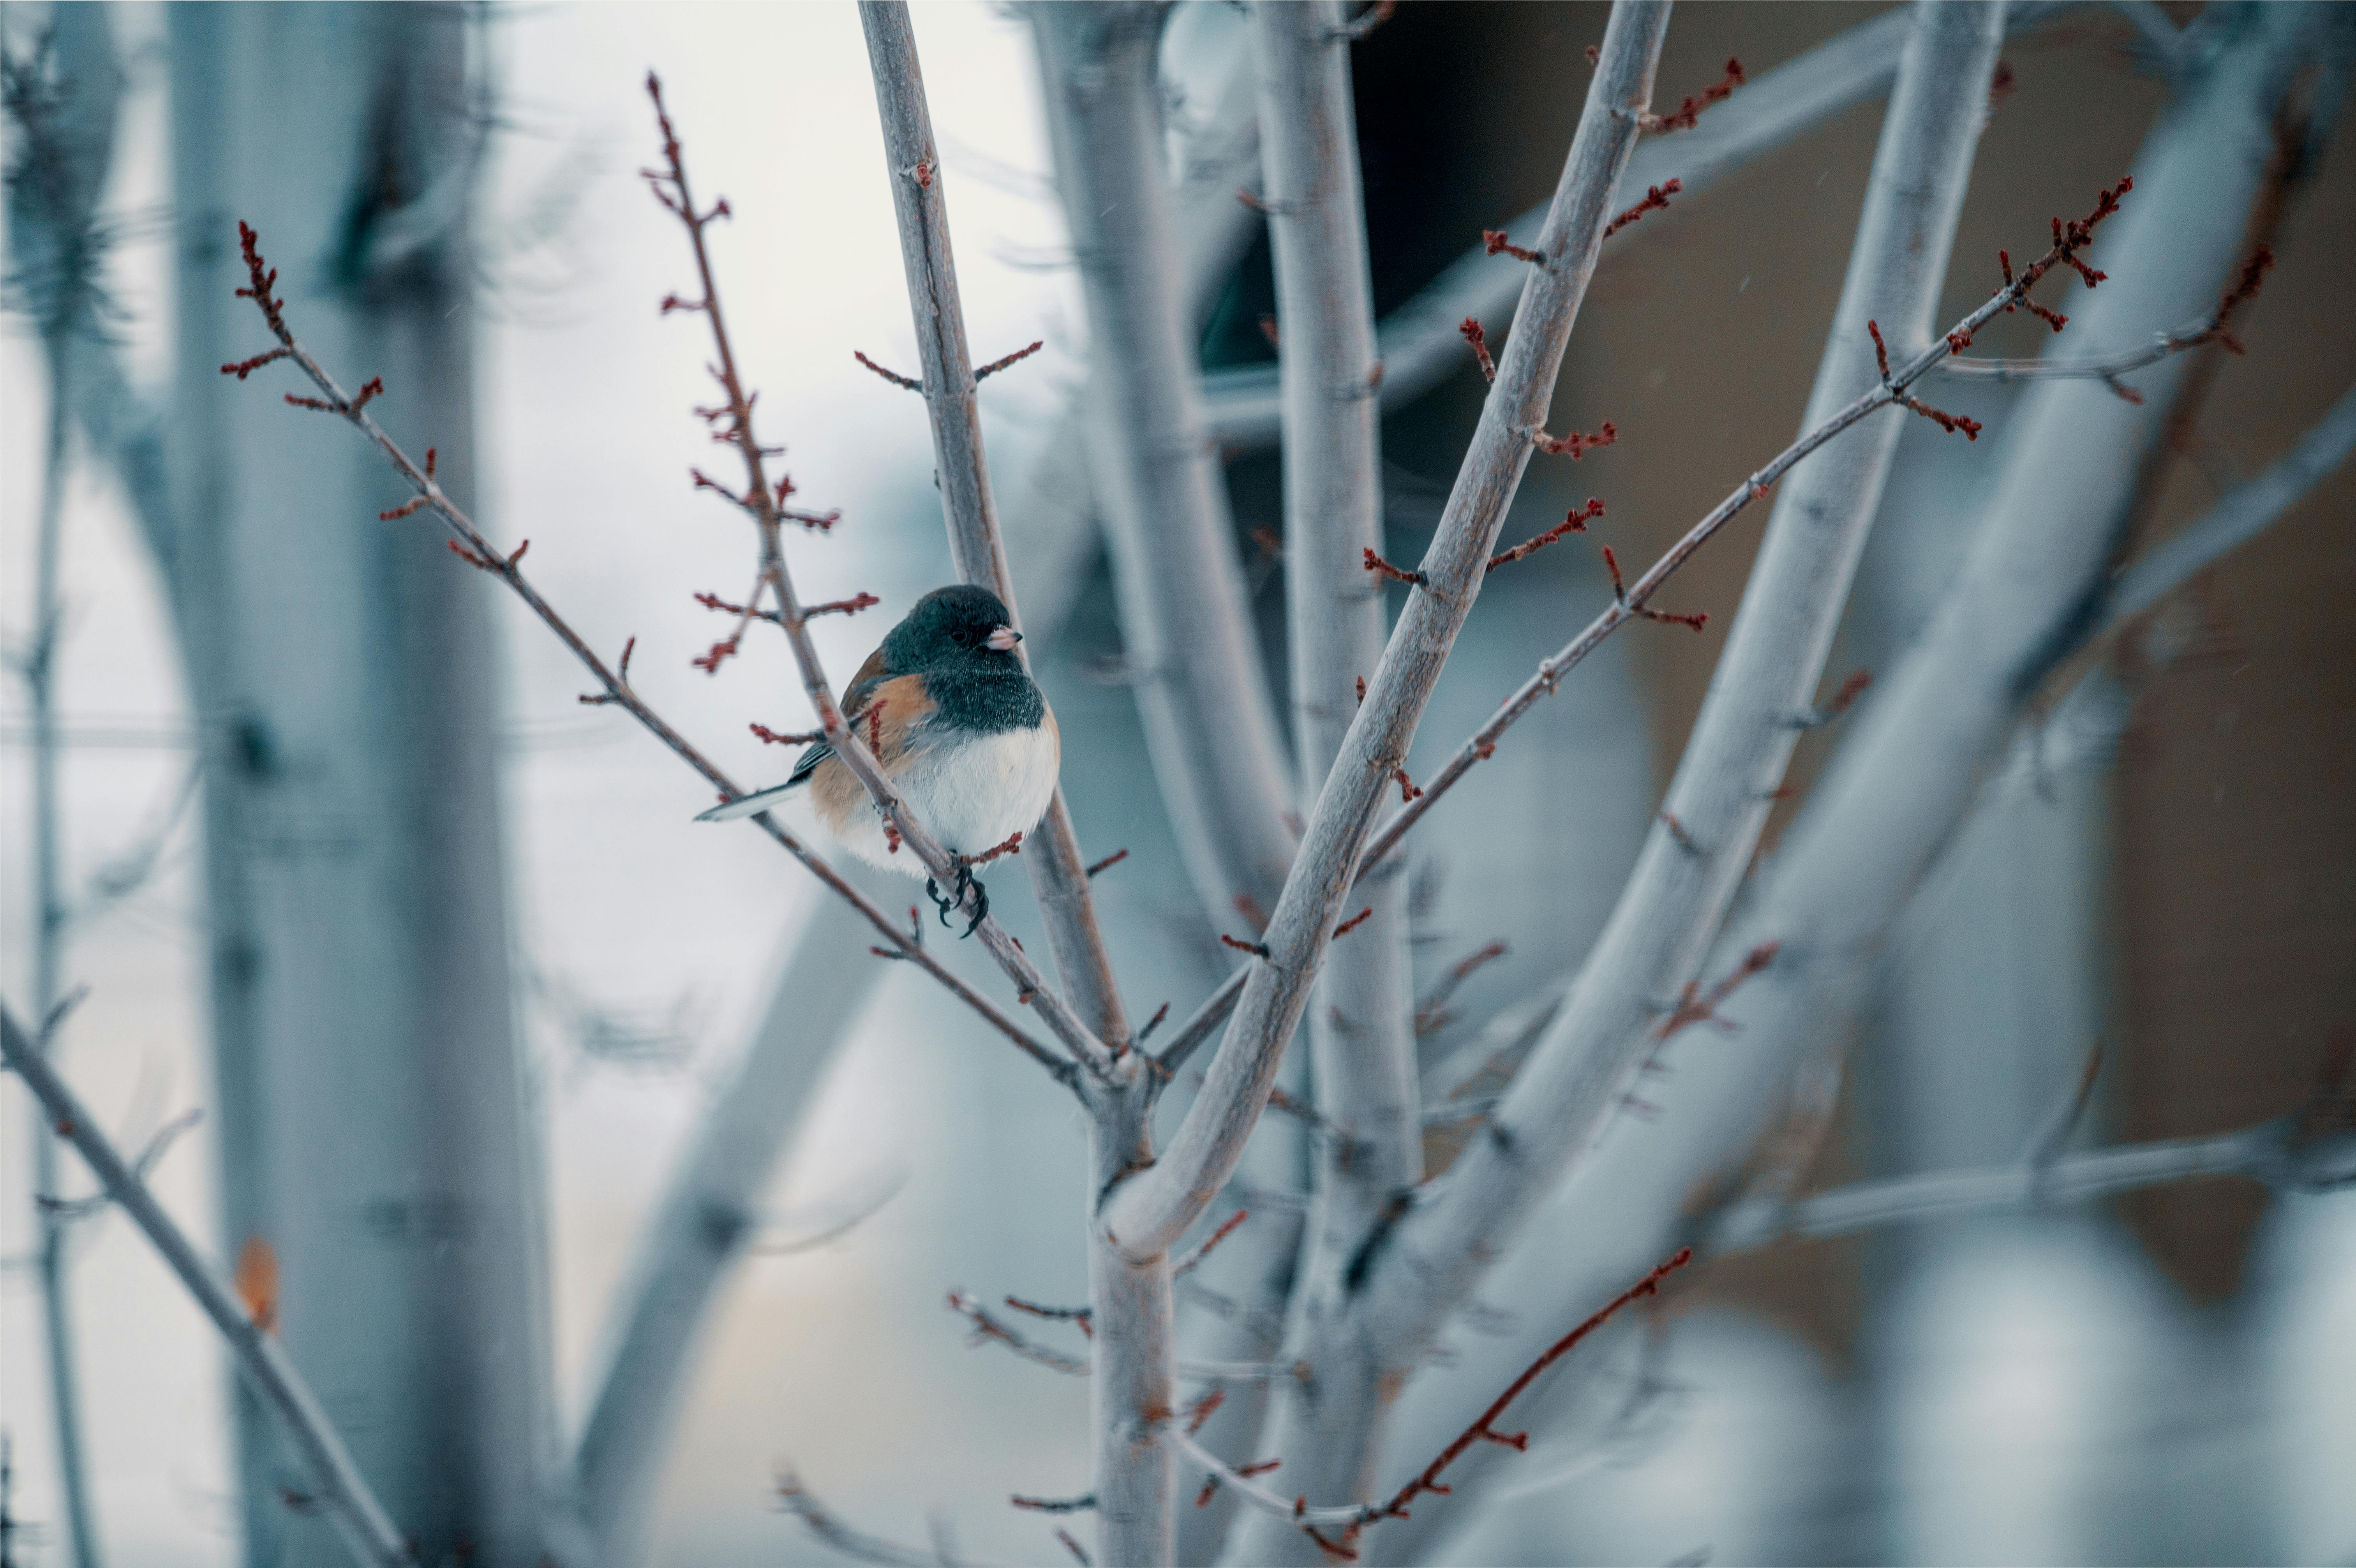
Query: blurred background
{"x":2167,"y":1377}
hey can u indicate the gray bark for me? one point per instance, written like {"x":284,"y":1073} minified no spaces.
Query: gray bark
{"x":1360,"y":1028}
{"x":334,"y":1483}
{"x":1193,"y":654}
{"x":1902,"y":785}
{"x":373,"y":1132}
{"x":961,"y":470}
{"x":1146,"y":1213}
{"x":1418,"y":342}
{"x":64,"y":98}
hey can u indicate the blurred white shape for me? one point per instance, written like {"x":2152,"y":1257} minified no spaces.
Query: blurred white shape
{"x":2305,"y":1363}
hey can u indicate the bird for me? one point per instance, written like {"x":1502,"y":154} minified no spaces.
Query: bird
{"x":961,"y":730}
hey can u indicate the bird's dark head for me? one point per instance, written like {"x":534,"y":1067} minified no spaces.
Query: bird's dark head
{"x":952,"y":626}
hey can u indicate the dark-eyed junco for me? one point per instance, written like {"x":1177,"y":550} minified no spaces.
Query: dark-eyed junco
{"x":959,"y":726}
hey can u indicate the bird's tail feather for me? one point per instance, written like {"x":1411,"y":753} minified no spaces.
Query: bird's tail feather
{"x":748,"y":805}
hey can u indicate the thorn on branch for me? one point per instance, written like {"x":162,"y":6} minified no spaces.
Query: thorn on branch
{"x":405,"y":508}
{"x":1656,"y":199}
{"x":1268,"y":330}
{"x":1080,"y":1504}
{"x":1153,"y":1023}
{"x":895,"y":377}
{"x":1016,"y":357}
{"x":1362,"y":680}
{"x":1408,"y":791}
{"x":1499,"y":245}
{"x":1257,"y":950}
{"x":1478,"y":337}
{"x":317,"y":404}
{"x":1354,"y":921}
{"x":1689,"y":111}
{"x":245,"y":368}
{"x":375,"y":389}
{"x":671,"y":302}
{"x":1575,"y":523}
{"x":848,"y":607}
{"x":1575,"y":444}
{"x":1080,"y":1553}
{"x":768,"y":737}
{"x":1396,"y":574}
{"x":1108,"y":863}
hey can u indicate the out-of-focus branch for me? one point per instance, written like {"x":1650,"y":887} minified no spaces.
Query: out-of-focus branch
{"x":2239,"y":516}
{"x":1418,"y":342}
{"x":340,"y":1487}
{"x":796,"y":1500}
{"x":1191,"y":645}
{"x":1361,"y":1032}
{"x":1052,"y":530}
{"x":913,"y":168}
{"x":477,"y":551}
{"x":2266,"y":1153}
{"x":64,"y":98}
{"x":705,"y":1222}
{"x":1915,"y":755}
{"x":1147,"y":1212}
{"x":1718,"y":803}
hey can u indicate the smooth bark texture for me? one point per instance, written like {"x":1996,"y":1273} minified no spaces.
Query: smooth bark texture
{"x":1361,"y":1027}
{"x":370,"y":1104}
{"x":1900,"y":788}
{"x":64,"y":99}
{"x":1418,"y":342}
{"x":1192,"y":652}
{"x":1145,"y":1214}
{"x":912,"y":165}
{"x":329,"y":1477}
{"x":1735,"y":760}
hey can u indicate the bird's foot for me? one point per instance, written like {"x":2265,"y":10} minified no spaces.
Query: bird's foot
{"x":945,"y":904}
{"x":965,"y":880}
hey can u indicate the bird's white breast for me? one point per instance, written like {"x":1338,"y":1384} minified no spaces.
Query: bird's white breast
{"x":973,"y":791}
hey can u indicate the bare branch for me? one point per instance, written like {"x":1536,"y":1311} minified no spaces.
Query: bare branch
{"x":338,"y":1487}
{"x":967,"y":505}
{"x":1634,"y":987}
{"x":1211,"y":732}
{"x":1148,"y":1211}
{"x":796,"y":1499}
{"x":1418,"y":342}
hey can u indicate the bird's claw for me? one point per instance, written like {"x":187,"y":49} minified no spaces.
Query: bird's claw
{"x":948,"y":904}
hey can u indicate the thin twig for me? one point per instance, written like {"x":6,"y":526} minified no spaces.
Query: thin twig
{"x":1632,"y":605}
{"x":337,"y":1485}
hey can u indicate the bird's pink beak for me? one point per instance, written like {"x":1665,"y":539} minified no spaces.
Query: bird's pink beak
{"x":1003,"y":639}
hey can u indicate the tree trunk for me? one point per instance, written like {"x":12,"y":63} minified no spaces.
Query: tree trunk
{"x":372,"y":1119}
